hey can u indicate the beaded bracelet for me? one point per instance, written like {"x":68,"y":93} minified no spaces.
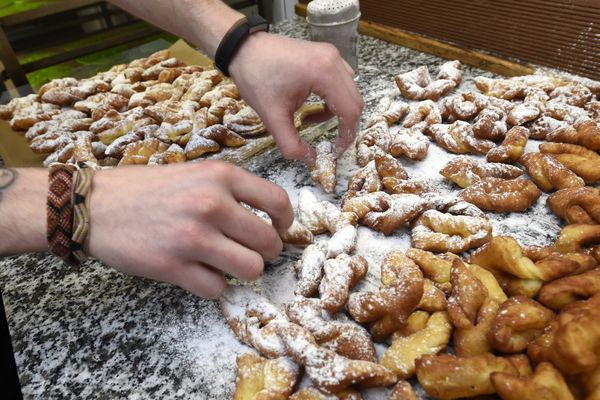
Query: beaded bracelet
{"x":67,"y":211}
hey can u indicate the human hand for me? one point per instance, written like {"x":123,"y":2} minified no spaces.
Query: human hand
{"x":184,"y":223}
{"x":275,"y":75}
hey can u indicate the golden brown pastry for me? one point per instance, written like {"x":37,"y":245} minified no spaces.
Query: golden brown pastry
{"x":388,"y":309}
{"x":174,"y":154}
{"x":324,"y":171}
{"x":403,"y":390}
{"x":569,"y":289}
{"x":576,"y":205}
{"x":218,"y":92}
{"x":518,"y":321}
{"x":311,"y":393}
{"x":444,"y":232}
{"x":199,"y":145}
{"x":465,"y":171}
{"x":408,"y":142}
{"x":259,"y":324}
{"x":388,"y":111}
{"x":346,"y":338}
{"x":298,"y":234}
{"x":462,"y":106}
{"x":406,"y":186}
{"x":471,"y":311}
{"x":583,"y":133}
{"x":542,"y":126}
{"x":418,"y":85}
{"x":576,"y":237}
{"x":583,"y":162}
{"x":490,"y":124}
{"x":340,"y":274}
{"x":512,"y":147}
{"x":422,"y":115}
{"x":140,"y":152}
{"x":446,"y":376}
{"x":503,"y":88}
{"x":573,"y":94}
{"x":370,"y":141}
{"x":259,"y":378}
{"x":547,"y":383}
{"x":459,"y":138}
{"x":548,"y":173}
{"x":523,"y":113}
{"x":433,"y":299}
{"x":245,"y":122}
{"x":365,"y":180}
{"x":431,"y":339}
{"x":502,"y":195}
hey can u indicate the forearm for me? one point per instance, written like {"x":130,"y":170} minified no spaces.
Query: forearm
{"x":22,"y":210}
{"x":202,"y":22}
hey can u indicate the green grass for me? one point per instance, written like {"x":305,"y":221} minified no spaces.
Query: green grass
{"x":18,"y":6}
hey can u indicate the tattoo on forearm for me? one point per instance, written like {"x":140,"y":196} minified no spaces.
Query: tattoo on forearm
{"x":7,"y":178}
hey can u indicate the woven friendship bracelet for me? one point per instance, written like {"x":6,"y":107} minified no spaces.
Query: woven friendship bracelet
{"x":59,"y":209}
{"x":82,"y":184}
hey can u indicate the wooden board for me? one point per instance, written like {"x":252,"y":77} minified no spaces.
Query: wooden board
{"x":478,"y":59}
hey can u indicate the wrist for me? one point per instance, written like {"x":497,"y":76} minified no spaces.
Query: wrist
{"x":247,"y":51}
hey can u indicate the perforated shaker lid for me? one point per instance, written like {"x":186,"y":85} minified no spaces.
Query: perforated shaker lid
{"x":332,"y":12}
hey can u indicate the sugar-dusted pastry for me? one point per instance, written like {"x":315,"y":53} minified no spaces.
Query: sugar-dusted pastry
{"x":564,"y":291}
{"x":542,"y":126}
{"x":576,"y":237}
{"x":388,"y":167}
{"x":418,"y":85}
{"x":576,"y":205}
{"x":459,"y":138}
{"x":66,"y":91}
{"x":172,"y":133}
{"x":340,"y":274}
{"x":502,"y":195}
{"x":259,"y":324}
{"x":546,"y":383}
{"x":583,"y":162}
{"x":365,"y":180}
{"x":26,"y":114}
{"x":518,"y":321}
{"x":217,"y":109}
{"x":446,"y":376}
{"x":321,"y":216}
{"x":571,"y":339}
{"x":8,"y":110}
{"x":462,"y":106}
{"x":102,"y":101}
{"x":346,"y":338}
{"x":245,"y":122}
{"x":117,"y":146}
{"x":502,"y":88}
{"x":490,"y":124}
{"x":369,"y":141}
{"x":387,"y":309}
{"x":408,"y":142}
{"x":512,"y":147}
{"x":218,"y":92}
{"x":421,"y":115}
{"x":433,"y":299}
{"x":584,"y":133}
{"x":471,"y":311}
{"x":548,"y":173}
{"x":199,"y":145}
{"x":440,"y":232}
{"x":298,"y":234}
{"x":388,"y":111}
{"x":311,"y":393}
{"x":174,"y":154}
{"x":140,"y":152}
{"x":431,"y":339}
{"x":575,"y":95}
{"x":324,"y":171}
{"x":406,"y":186}
{"x":465,"y":171}
{"x":451,"y":70}
{"x":258,"y":377}
{"x":403,"y":390}
{"x":523,"y":113}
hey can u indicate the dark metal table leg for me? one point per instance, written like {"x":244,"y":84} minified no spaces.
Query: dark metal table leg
{"x":9,"y":378}
{"x":10,"y":61}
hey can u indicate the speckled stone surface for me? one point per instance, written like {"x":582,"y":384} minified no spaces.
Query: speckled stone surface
{"x":96,"y":333}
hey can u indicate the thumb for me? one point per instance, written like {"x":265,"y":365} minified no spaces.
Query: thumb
{"x":280,"y":123}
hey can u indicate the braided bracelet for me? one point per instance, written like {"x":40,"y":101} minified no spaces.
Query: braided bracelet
{"x":82,"y":185}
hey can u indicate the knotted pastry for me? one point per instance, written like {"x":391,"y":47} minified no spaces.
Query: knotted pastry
{"x":547,"y":383}
{"x":422,"y":115}
{"x":548,"y":173}
{"x":408,"y":142}
{"x":576,"y":205}
{"x":174,"y":154}
{"x":245,"y":122}
{"x":321,"y":216}
{"x":471,"y":311}
{"x":431,"y":339}
{"x":219,"y":108}
{"x":502,"y":195}
{"x":443,"y":232}
{"x":298,"y":234}
{"x":583,"y":162}
{"x":388,"y":309}
{"x":102,"y":101}
{"x":459,"y":138}
{"x":461,"y":106}
{"x":403,"y":390}
{"x":8,"y":110}
{"x":542,"y":126}
{"x":446,"y":376}
{"x":512,"y":147}
{"x":584,"y":133}
{"x":196,"y":89}
{"x":569,"y":289}
{"x":346,"y":338}
{"x":433,"y":299}
{"x":340,"y":274}
{"x":311,"y":393}
{"x":259,"y":324}
{"x":569,"y":115}
{"x":199,"y":145}
{"x":24,"y":117}
{"x":417,"y":84}
{"x":365,"y":180}
{"x":69,"y":121}
{"x":117,"y":146}
{"x":218,"y":92}
{"x":523,"y":113}
{"x":575,"y":95}
{"x":387,"y":111}
{"x":140,"y":152}
{"x":66,"y":91}
{"x":259,"y":378}
{"x":490,"y":124}
{"x":518,"y":321}
{"x":407,"y":186}
{"x":172,"y":133}
{"x":575,"y":237}
{"x":465,"y":171}
{"x":324,"y":171}
{"x":571,"y":340}
{"x":384,"y":212}
{"x":371,"y":141}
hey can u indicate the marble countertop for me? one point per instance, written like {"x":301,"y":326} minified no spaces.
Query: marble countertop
{"x":96,"y":333}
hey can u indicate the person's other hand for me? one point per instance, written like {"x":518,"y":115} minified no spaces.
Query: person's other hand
{"x":184,"y":223}
{"x":276,"y":75}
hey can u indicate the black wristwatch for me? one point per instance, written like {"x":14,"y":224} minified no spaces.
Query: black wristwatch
{"x":234,"y":38}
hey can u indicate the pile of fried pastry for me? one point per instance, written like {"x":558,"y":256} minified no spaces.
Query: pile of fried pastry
{"x":154,"y":110}
{"x":463,"y":313}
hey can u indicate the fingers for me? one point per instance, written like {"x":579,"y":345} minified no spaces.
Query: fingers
{"x":252,"y":232}
{"x":281,"y":125}
{"x":264,"y":195}
{"x":200,"y":280}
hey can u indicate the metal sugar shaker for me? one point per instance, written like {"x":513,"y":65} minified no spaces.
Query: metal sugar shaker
{"x":336,"y":22}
